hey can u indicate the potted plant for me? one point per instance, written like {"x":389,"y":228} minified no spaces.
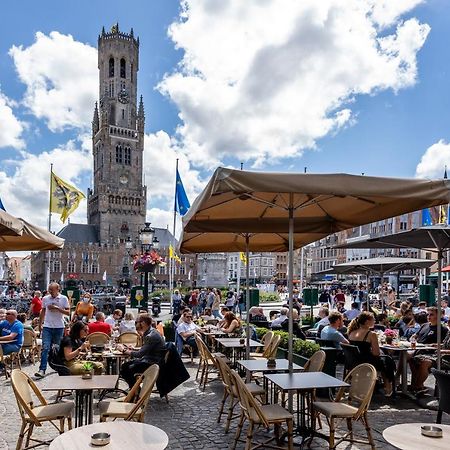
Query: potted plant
{"x":303,"y":350}
{"x":147,"y":261}
{"x":88,"y":370}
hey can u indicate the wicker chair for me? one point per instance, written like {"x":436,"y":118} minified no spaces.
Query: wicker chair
{"x":352,"y":408}
{"x":128,"y":409}
{"x":316,"y":362}
{"x":29,"y":348}
{"x":130,"y":337}
{"x":270,"y":351}
{"x":266,"y":340}
{"x":229,"y":391}
{"x":98,"y":338}
{"x":260,"y":415}
{"x":9,"y":361}
{"x":34,"y":415}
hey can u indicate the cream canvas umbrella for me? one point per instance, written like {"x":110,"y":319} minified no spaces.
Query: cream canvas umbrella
{"x":9,"y":225}
{"x":238,"y":202}
{"x":31,"y":238}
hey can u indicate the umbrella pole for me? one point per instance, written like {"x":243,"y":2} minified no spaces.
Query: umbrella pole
{"x":247,"y":303}
{"x":291,"y":291}
{"x":439,"y":309}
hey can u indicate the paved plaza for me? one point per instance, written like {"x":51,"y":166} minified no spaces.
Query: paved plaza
{"x":189,"y":418}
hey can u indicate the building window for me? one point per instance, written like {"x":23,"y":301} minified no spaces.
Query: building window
{"x":111,"y":67}
{"x":119,"y":154}
{"x":56,"y":266}
{"x":94,"y":267}
{"x":127,"y":156}
{"x":84,"y":267}
{"x":122,"y":68}
{"x":71,"y":266}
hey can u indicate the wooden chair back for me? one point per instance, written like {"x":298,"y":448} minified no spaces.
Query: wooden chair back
{"x":29,"y":339}
{"x":271,"y":350}
{"x":316,"y":362}
{"x":266,"y":340}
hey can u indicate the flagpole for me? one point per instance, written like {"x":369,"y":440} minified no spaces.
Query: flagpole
{"x":49,"y":226}
{"x":174,"y":229}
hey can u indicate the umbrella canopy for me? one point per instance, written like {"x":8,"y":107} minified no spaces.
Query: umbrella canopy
{"x":435,"y":238}
{"x":446,"y":269}
{"x":9,"y":225}
{"x":381,"y":265}
{"x":31,"y":238}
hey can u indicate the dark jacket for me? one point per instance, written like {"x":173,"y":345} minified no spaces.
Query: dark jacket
{"x":153,"y":347}
{"x":171,"y":371}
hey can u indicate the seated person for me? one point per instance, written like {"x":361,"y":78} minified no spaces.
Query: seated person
{"x":411,"y":326}
{"x":152,"y":350}
{"x":352,"y":313}
{"x":427,"y":333}
{"x":2,"y":314}
{"x":183,"y":311}
{"x":100,"y":326}
{"x":383,"y":321}
{"x":223,"y":310}
{"x":127,"y":324}
{"x":421,"y":308}
{"x":11,"y":333}
{"x":85,"y":308}
{"x":71,"y":348}
{"x":232,"y":325}
{"x":331,"y":333}
{"x":187,"y":330}
{"x":114,"y":319}
{"x":281,"y":318}
{"x":360,"y":334}
{"x":324,"y":321}
{"x":445,"y":308}
{"x":207,"y":315}
{"x":256,"y":314}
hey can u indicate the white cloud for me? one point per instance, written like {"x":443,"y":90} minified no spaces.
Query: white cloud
{"x":262,"y":82}
{"x":434,"y":160}
{"x":25,"y":193}
{"x":61,"y":77}
{"x":11,"y":127}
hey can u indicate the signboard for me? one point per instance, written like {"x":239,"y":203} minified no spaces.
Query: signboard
{"x":137,"y":298}
{"x":73,"y":294}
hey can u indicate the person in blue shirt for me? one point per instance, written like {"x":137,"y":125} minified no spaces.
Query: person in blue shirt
{"x":331,"y":333}
{"x":11,"y":333}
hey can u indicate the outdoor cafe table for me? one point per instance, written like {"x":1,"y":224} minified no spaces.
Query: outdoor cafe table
{"x":403,"y":349}
{"x":235,"y":344}
{"x":260,"y":365}
{"x":83,"y":392}
{"x":124,"y":434}
{"x":303,"y":385}
{"x":407,"y":436}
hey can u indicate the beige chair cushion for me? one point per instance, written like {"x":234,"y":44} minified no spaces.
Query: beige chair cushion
{"x":335,"y":409}
{"x":55,"y":410}
{"x":273,"y":413}
{"x":117,"y":409}
{"x":253,"y":388}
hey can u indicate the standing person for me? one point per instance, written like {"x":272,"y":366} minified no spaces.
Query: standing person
{"x":51,"y":322}
{"x":36,"y":305}
{"x":210,"y":298}
{"x":216,"y":304}
{"x":84,"y":309}
{"x":230,"y":300}
{"x":241,"y":303}
{"x":193,"y":302}
{"x":176,"y":301}
{"x":202,"y":301}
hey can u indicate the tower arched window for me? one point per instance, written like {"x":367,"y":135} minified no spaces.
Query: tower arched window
{"x":127,"y":156}
{"x":117,"y":200}
{"x":111,"y":67}
{"x":119,"y":154}
{"x":122,"y":68}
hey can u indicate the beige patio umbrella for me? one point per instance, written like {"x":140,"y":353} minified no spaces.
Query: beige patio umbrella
{"x":31,"y":238}
{"x":250,"y":203}
{"x":9,"y":225}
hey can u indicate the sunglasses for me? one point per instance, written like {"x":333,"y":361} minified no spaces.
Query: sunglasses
{"x":188,"y":317}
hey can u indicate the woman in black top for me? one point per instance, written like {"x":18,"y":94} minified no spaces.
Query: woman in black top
{"x":73,"y":345}
{"x":360,"y":334}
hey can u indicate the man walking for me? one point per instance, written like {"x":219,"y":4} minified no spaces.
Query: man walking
{"x":51,"y":322}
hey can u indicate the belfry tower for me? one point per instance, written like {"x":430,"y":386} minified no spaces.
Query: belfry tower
{"x":117,"y":202}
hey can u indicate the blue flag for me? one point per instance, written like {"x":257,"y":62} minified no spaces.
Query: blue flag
{"x":181,"y":201}
{"x":1,"y":205}
{"x":426,"y":217}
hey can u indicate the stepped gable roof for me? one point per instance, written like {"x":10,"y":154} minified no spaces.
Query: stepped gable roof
{"x":79,"y":233}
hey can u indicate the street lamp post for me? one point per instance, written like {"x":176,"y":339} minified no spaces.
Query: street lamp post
{"x":146,"y":236}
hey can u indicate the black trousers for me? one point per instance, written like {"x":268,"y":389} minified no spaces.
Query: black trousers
{"x":130,"y":368}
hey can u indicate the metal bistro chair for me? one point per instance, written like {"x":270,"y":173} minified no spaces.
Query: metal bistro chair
{"x":128,"y":409}
{"x":261,"y":415}
{"x":34,"y":415}
{"x":352,"y":408}
{"x":443,"y":382}
{"x":229,"y":391}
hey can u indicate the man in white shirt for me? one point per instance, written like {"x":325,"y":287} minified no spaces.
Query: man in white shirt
{"x":445,"y":308}
{"x":187,"y":329}
{"x":281,"y":318}
{"x":51,"y":322}
{"x":324,"y":321}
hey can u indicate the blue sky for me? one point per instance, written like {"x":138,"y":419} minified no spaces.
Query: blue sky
{"x":347,"y":86}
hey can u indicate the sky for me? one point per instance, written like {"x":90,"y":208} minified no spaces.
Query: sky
{"x":356,"y":86}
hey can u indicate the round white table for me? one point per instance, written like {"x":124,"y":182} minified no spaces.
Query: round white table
{"x":407,"y":436}
{"x":123,"y":435}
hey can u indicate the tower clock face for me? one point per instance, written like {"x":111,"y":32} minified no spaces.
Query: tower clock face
{"x":123,"y":96}
{"x":123,"y":179}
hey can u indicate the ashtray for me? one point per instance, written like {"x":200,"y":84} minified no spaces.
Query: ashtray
{"x":431,"y":431}
{"x":100,"y":439}
{"x":271,"y":363}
